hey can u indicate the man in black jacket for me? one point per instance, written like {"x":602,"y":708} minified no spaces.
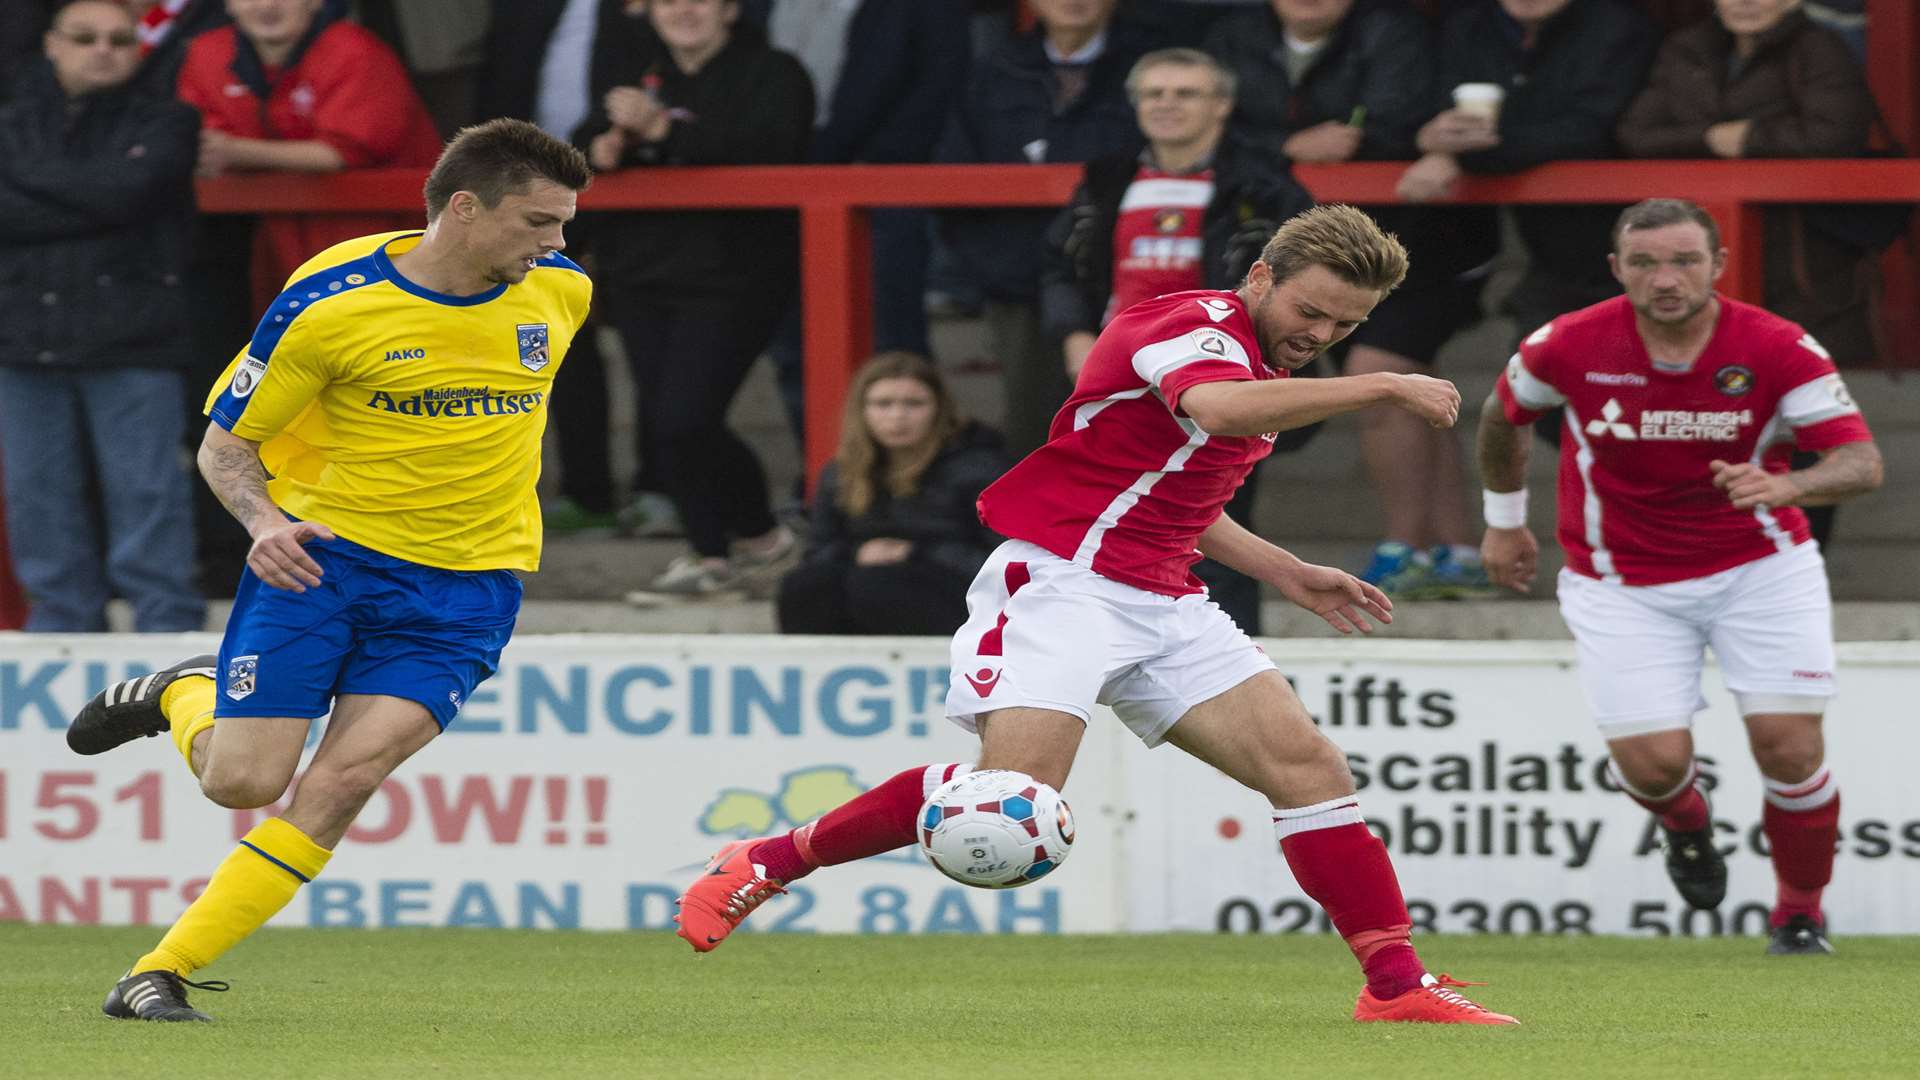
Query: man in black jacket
{"x":1056,"y":94}
{"x":96,"y":207}
{"x":1191,"y":211}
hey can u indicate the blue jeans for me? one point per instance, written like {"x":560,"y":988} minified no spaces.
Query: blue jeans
{"x":67,"y":435}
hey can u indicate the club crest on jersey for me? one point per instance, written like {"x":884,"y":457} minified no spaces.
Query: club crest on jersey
{"x":1733,"y":380}
{"x":534,"y":352}
{"x":242,"y":674}
{"x":1169,"y":220}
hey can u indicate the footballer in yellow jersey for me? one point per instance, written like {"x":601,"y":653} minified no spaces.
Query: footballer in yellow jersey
{"x":407,"y":421}
{"x":379,"y":438}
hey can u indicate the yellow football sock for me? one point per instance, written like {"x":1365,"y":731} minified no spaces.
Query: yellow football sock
{"x":187,"y":703}
{"x":249,"y":888}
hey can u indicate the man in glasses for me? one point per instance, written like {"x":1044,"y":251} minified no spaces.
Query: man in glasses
{"x":96,"y":206}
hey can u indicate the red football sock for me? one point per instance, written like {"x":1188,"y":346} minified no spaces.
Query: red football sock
{"x":1345,"y":869}
{"x":1802,"y":822}
{"x":1684,"y":809}
{"x":875,"y":821}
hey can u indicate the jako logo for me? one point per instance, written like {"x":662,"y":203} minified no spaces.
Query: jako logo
{"x":405,"y":354}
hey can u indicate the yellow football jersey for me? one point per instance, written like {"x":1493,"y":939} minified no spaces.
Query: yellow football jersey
{"x":406,"y":420}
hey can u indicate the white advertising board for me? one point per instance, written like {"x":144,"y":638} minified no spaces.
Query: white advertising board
{"x":584,"y":785}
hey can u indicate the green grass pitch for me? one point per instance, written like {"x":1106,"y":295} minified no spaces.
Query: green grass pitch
{"x":424,"y":1003}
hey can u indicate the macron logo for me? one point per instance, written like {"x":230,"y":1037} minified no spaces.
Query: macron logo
{"x":1216,"y":309}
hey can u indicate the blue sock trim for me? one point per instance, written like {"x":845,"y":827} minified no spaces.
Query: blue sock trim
{"x":303,"y":878}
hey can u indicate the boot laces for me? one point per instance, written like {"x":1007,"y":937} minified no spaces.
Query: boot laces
{"x":1442,"y":989}
{"x":756,"y":891}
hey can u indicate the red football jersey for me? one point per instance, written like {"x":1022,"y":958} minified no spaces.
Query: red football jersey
{"x":1157,"y":245}
{"x":1637,"y":501}
{"x":1126,"y":482}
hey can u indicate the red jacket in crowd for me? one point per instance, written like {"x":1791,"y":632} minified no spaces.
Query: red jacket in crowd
{"x":348,"y":90}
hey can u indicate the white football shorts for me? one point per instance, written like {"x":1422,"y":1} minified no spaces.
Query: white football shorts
{"x":1046,"y":633}
{"x":1641,"y":648}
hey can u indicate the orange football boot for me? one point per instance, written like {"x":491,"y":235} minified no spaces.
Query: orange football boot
{"x":1434,"y":1003}
{"x":726,"y":893}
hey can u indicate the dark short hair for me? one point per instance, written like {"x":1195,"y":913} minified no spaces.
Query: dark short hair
{"x":500,"y":158}
{"x":1659,"y":213}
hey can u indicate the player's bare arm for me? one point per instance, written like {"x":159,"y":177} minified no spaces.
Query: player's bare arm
{"x":232,"y":468}
{"x":1511,"y":555}
{"x":1841,"y":473}
{"x":1258,"y":408}
{"x":1343,"y":600}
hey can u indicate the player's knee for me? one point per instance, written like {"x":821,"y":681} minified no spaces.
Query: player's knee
{"x":1789,"y":756}
{"x":241,"y":792}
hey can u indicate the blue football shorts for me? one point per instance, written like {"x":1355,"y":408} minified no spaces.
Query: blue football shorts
{"x":375,"y":624}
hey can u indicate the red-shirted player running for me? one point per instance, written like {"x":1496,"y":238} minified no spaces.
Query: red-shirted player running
{"x":1091,"y":600}
{"x":1681,"y":528}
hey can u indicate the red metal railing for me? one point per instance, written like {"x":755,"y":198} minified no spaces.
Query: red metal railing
{"x":836,"y":274}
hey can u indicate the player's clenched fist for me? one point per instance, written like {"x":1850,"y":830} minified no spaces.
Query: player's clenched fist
{"x":279,"y":559}
{"x":1749,"y":485}
{"x":1511,"y":556}
{"x":1436,"y":401}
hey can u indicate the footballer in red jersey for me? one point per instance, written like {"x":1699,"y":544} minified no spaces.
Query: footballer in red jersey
{"x":1682,"y":529}
{"x":1090,"y":600}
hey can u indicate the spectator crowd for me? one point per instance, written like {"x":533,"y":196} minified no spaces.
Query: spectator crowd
{"x":121,"y":304}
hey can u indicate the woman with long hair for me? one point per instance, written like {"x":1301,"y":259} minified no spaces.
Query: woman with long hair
{"x":895,"y":538}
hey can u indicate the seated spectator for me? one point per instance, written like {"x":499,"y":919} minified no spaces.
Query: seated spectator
{"x":1333,"y":81}
{"x":96,"y":207}
{"x":895,"y":538}
{"x":1054,"y":94}
{"x":286,"y":89}
{"x":1190,"y":212}
{"x":1762,"y":80}
{"x":696,"y":296}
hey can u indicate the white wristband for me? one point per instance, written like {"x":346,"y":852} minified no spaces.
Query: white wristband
{"x":1505,"y":509}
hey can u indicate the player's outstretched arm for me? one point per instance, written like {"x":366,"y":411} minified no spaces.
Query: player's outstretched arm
{"x":232,"y":469}
{"x":1259,"y":408}
{"x":1847,"y":470}
{"x":1335,"y":595}
{"x":1508,"y":550}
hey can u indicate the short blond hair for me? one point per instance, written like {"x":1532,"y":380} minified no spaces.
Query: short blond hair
{"x":1345,"y":241}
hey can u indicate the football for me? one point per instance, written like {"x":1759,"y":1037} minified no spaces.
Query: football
{"x":996,"y":829}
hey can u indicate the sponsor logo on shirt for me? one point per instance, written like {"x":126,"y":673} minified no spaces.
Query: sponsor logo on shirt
{"x":457,"y":402}
{"x":1670,"y":425}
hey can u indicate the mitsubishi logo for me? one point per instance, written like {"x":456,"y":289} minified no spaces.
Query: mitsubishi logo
{"x":1609,"y":422}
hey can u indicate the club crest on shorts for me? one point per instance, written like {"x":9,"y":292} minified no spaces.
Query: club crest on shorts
{"x":242,"y":673}
{"x":532,"y":339}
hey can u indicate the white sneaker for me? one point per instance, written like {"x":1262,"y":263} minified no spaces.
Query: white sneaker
{"x":689,"y":575}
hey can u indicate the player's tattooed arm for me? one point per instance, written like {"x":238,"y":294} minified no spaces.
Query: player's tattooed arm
{"x":1845,"y":471}
{"x":232,"y":469}
{"x":1502,"y":449}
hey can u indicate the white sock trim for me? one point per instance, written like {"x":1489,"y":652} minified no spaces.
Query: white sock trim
{"x":935,"y":775}
{"x":1815,"y":791}
{"x":1330,"y":814}
{"x":1693,"y":774}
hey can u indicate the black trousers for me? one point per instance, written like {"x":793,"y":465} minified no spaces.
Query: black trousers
{"x":689,"y":357}
{"x":898,"y":598}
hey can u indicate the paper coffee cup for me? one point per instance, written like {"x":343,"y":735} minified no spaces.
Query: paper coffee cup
{"x":1480,"y":99}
